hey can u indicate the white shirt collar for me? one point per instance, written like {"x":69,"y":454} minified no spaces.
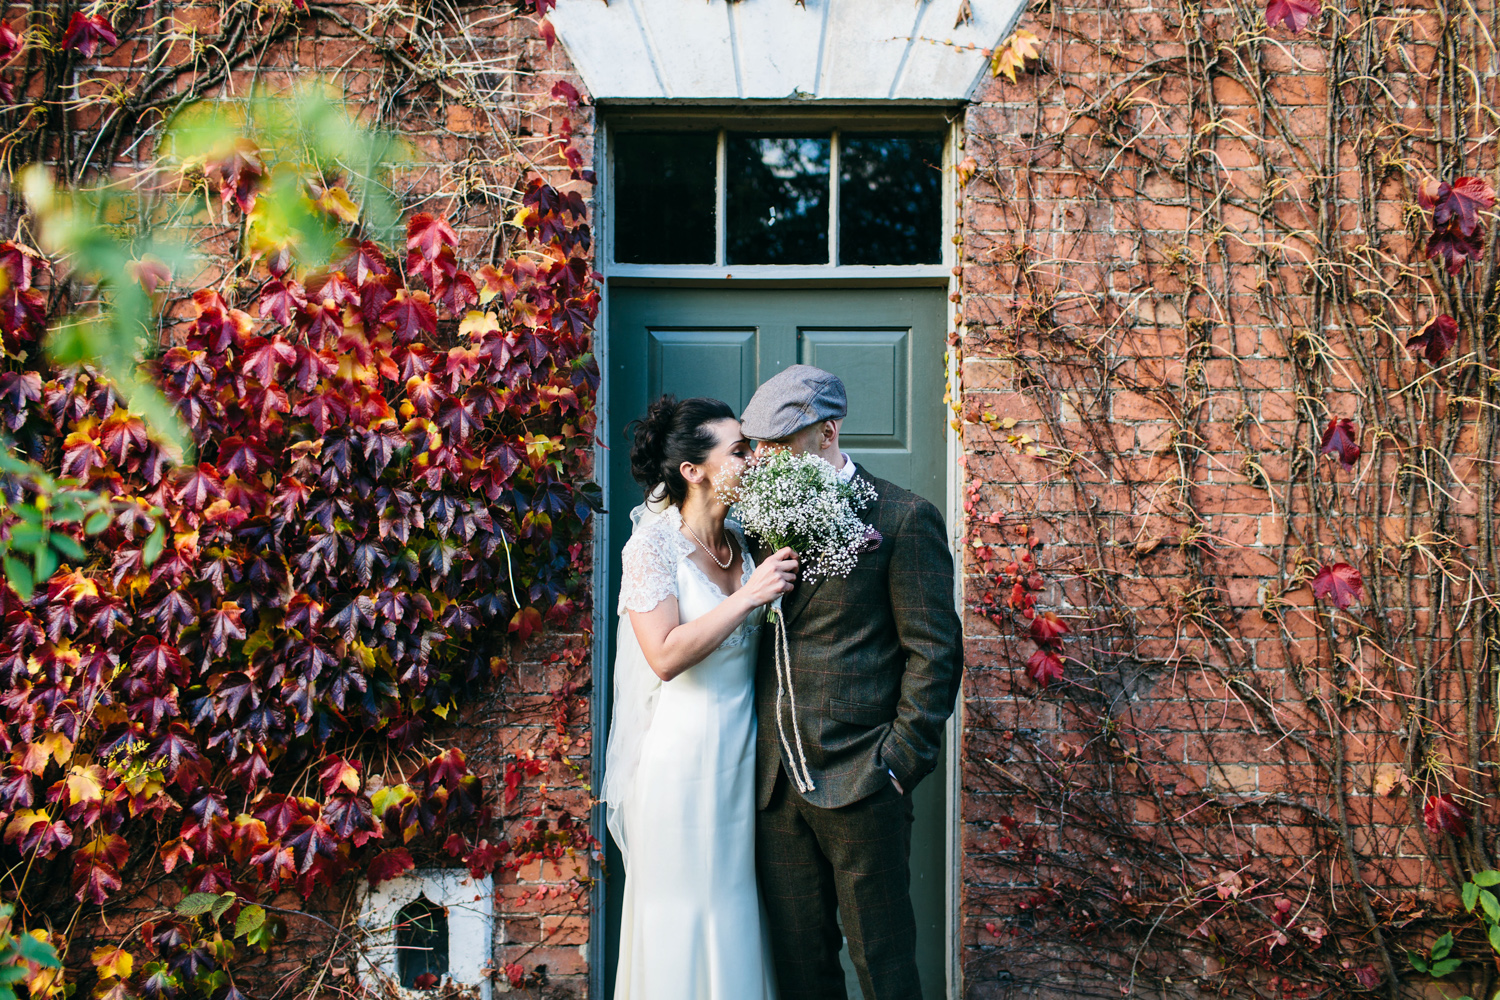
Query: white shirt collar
{"x":846,"y":472}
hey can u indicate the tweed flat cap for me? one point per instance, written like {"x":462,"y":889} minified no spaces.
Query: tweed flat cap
{"x":793,"y":399}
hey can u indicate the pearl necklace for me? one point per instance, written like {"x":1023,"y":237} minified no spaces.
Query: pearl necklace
{"x":711,"y":554}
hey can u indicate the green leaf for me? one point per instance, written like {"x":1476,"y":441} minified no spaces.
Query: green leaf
{"x":13,"y":973}
{"x":196,"y":904}
{"x":1495,"y":938}
{"x":45,"y":563}
{"x":1417,"y":961}
{"x":68,"y":548}
{"x":227,"y":899}
{"x":98,"y":521}
{"x":1447,"y":965}
{"x":38,"y":952}
{"x":1442,"y":946}
{"x":252,"y":918}
{"x":18,"y":575}
{"x":26,"y":537}
{"x":1487,"y":878}
{"x":1471,"y":896}
{"x":66,"y":512}
{"x":1489,"y":904}
{"x":155,"y":542}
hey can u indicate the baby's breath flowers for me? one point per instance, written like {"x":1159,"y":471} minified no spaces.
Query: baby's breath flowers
{"x":799,"y":501}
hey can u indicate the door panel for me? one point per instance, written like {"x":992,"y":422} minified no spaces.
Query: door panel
{"x":717,"y":363}
{"x":887,"y":345}
{"x":873,"y":365}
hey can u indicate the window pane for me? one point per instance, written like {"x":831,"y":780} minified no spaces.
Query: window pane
{"x":777,"y":201}
{"x":664,"y":197}
{"x":421,"y":944}
{"x":891,"y":200}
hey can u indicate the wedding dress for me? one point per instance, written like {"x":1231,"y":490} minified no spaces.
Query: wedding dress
{"x":679,"y":789}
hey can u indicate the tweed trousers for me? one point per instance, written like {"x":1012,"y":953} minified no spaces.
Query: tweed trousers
{"x":856,"y":857}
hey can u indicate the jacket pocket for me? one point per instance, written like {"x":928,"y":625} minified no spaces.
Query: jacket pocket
{"x":857,"y":714}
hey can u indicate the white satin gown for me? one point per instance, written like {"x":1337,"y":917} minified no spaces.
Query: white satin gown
{"x":680,"y":790}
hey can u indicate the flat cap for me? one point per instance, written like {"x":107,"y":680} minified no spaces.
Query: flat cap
{"x":797,"y":397}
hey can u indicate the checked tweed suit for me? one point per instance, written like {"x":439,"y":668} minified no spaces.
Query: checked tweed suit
{"x":875,"y":664}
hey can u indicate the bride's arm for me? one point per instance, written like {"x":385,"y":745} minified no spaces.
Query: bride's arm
{"x":671,"y":645}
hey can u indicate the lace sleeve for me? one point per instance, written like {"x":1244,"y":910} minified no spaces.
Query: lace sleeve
{"x":648,"y":565}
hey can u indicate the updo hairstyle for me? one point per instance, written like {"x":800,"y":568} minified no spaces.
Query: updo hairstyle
{"x":671,"y":433}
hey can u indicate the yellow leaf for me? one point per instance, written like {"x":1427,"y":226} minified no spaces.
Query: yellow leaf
{"x":113,"y":963}
{"x":24,"y":820}
{"x":1013,"y":53}
{"x":539,"y":445}
{"x":337,"y":203}
{"x":85,"y":784}
{"x":476,"y":324}
{"x":1386,"y":780}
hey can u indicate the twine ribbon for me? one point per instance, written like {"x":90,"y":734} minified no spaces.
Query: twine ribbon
{"x":803,"y":781}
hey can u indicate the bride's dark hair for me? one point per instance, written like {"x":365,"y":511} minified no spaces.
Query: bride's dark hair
{"x":673,"y":432}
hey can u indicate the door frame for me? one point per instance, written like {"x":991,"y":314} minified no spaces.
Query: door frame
{"x":763,"y":276}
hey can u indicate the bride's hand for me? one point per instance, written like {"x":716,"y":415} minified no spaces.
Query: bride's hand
{"x":772,"y":578}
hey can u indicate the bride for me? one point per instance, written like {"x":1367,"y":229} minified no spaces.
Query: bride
{"x":680,"y":766}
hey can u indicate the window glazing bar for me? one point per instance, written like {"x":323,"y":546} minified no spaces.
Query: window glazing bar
{"x":721,"y":203}
{"x":833,"y":197}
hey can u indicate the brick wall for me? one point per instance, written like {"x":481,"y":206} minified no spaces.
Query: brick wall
{"x":1189,"y":243}
{"x":472,"y":94}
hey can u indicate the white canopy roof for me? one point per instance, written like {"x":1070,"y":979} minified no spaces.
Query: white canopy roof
{"x":777,"y":50}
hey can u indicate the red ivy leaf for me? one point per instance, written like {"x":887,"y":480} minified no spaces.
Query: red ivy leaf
{"x":238,"y":173}
{"x":1044,"y":666}
{"x":525,"y":621}
{"x":1436,"y":339}
{"x":1341,"y":438}
{"x":1294,"y":14}
{"x":390,"y":864}
{"x":411,"y":314}
{"x":429,"y":235}
{"x":564,"y":91}
{"x":23,"y":311}
{"x":86,"y":32}
{"x":1047,"y":628}
{"x":10,"y":42}
{"x":1454,"y":248}
{"x":365,"y":261}
{"x":265,"y":360}
{"x":549,"y":34}
{"x":93,"y":881}
{"x":224,"y":624}
{"x":281,"y":301}
{"x":1461,"y":202}
{"x":1340,"y":582}
{"x":1445,"y":815}
{"x":20,"y":262}
{"x":338,"y":772}
{"x":447,"y":768}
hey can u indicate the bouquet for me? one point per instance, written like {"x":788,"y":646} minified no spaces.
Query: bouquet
{"x":799,"y":501}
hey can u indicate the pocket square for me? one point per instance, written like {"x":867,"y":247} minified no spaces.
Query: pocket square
{"x":872,"y":540}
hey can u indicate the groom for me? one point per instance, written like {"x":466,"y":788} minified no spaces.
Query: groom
{"x":875,"y":663}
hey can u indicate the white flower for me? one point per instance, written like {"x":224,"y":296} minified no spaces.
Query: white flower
{"x":799,"y":501}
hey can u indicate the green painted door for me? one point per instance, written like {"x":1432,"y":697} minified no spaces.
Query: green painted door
{"x":887,"y":345}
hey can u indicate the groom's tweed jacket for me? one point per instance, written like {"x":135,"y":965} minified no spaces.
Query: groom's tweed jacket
{"x":876,"y":658}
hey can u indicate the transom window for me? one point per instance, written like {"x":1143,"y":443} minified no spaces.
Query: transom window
{"x":732,"y":197}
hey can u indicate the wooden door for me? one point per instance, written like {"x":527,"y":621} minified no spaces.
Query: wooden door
{"x":887,"y":345}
